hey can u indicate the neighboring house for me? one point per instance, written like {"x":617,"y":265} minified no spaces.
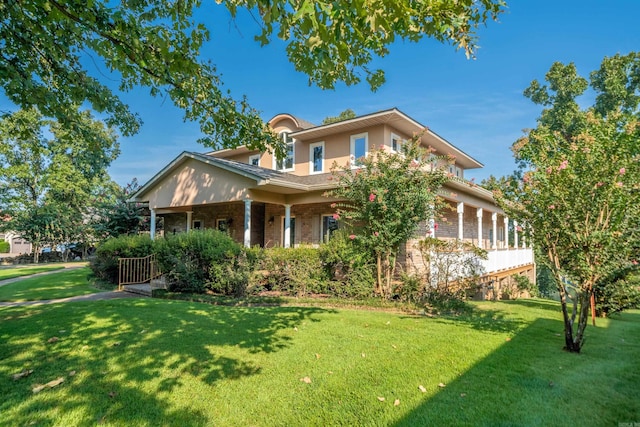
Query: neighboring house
{"x":263,"y":201}
{"x":17,"y":245}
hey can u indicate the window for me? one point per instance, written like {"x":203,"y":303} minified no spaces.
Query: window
{"x":329,"y":225}
{"x":196,"y":224}
{"x":316,"y":157}
{"x":286,"y":164}
{"x":292,"y":230}
{"x":396,"y":143}
{"x":222,"y":224}
{"x":359,"y":148}
{"x":254,"y":160}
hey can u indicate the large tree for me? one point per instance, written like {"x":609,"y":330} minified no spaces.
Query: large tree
{"x":580,"y":191}
{"x":48,"y":172}
{"x":45,"y":44}
{"x":386,"y":196}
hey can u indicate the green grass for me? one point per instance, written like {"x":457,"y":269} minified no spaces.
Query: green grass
{"x":51,"y":286}
{"x":149,"y":362}
{"x":12,"y":272}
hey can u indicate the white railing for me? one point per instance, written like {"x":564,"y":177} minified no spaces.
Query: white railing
{"x":503,"y":259}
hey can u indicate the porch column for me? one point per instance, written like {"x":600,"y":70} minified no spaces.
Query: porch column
{"x":247,"y":223}
{"x":506,"y":232}
{"x":432,"y":224}
{"x":152,"y":225}
{"x":189,"y":216}
{"x":515,"y":234}
{"x":524,"y":243}
{"x":494,"y":220}
{"x":287,"y":226}
{"x":479,"y":215}
{"x":460,"y":220}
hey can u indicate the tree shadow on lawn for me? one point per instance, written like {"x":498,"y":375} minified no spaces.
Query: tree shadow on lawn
{"x":130,"y":355}
{"x":530,"y":380}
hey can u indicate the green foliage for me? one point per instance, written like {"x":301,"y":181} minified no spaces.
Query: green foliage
{"x":293,"y":271}
{"x":48,"y":173}
{"x":104,"y":263}
{"x":386,"y":196}
{"x":580,"y":189}
{"x":345,"y":115}
{"x":5,"y":247}
{"x":618,"y":292}
{"x":157,"y":44}
{"x":114,"y":215}
{"x":201,"y":260}
{"x":350,"y":265}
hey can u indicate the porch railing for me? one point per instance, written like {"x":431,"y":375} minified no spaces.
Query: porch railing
{"x":137,"y":270}
{"x":503,"y":259}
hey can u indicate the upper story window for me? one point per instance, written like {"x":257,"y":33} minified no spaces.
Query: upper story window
{"x":254,"y":160}
{"x":456,"y":171}
{"x":316,"y":157}
{"x":286,"y":164}
{"x":359,"y":148}
{"x":396,"y":143}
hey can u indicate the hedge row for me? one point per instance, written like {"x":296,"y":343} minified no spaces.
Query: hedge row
{"x":209,"y":260}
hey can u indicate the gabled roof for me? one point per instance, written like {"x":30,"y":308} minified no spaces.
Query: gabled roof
{"x":262,"y":176}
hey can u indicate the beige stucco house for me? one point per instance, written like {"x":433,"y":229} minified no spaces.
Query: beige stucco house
{"x":263,"y":201}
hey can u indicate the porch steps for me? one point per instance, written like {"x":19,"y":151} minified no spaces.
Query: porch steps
{"x":146,"y":289}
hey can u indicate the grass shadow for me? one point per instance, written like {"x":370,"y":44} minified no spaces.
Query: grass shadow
{"x":532,"y":362}
{"x":126,"y":357}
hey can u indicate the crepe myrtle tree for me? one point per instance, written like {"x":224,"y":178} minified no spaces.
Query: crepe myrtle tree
{"x":385,"y":197}
{"x":580,"y":187}
{"x":49,"y":49}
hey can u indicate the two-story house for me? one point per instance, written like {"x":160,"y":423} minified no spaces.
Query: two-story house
{"x":261,"y":200}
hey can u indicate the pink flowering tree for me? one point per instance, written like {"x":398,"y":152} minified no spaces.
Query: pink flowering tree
{"x":385,"y":198}
{"x":580,"y":186}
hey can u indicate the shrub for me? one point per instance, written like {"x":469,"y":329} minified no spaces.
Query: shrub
{"x":617,"y":293}
{"x":201,"y":260}
{"x":349,"y":265}
{"x":4,"y":247}
{"x":105,"y":262}
{"x":293,"y":271}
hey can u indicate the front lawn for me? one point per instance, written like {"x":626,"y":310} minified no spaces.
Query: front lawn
{"x":12,"y":272}
{"x":50,"y":286}
{"x":148,"y":362}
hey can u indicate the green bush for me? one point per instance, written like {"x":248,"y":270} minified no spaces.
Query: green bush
{"x":350,"y":267}
{"x":293,"y":271}
{"x":104,"y":263}
{"x":201,"y":260}
{"x":4,"y":247}
{"x":617,"y":293}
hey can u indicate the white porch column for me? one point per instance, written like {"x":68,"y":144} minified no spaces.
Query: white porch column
{"x":189,"y":216}
{"x":432,"y":224}
{"x":247,"y":223}
{"x":524,"y":236}
{"x":460,"y":220}
{"x":287,"y":226}
{"x":506,"y":232}
{"x":494,"y":220}
{"x":152,"y":225}
{"x":479,"y":215}
{"x":515,"y":234}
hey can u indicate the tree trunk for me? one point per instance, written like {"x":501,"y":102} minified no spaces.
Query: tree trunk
{"x":379,"y":288}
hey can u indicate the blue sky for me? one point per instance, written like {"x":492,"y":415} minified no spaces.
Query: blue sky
{"x":477,"y":105}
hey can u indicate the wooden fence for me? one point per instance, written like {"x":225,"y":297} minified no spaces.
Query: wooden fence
{"x":137,"y":270}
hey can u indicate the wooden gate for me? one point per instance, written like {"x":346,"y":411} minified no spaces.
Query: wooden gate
{"x":137,"y":270}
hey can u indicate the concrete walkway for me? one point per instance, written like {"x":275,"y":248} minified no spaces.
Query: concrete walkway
{"x":67,"y":266}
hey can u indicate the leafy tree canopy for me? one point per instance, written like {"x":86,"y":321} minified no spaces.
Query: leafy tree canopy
{"x":580,"y":190}
{"x":156,"y":44}
{"x":345,"y":115}
{"x":386,"y":196}
{"x":48,"y":173}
